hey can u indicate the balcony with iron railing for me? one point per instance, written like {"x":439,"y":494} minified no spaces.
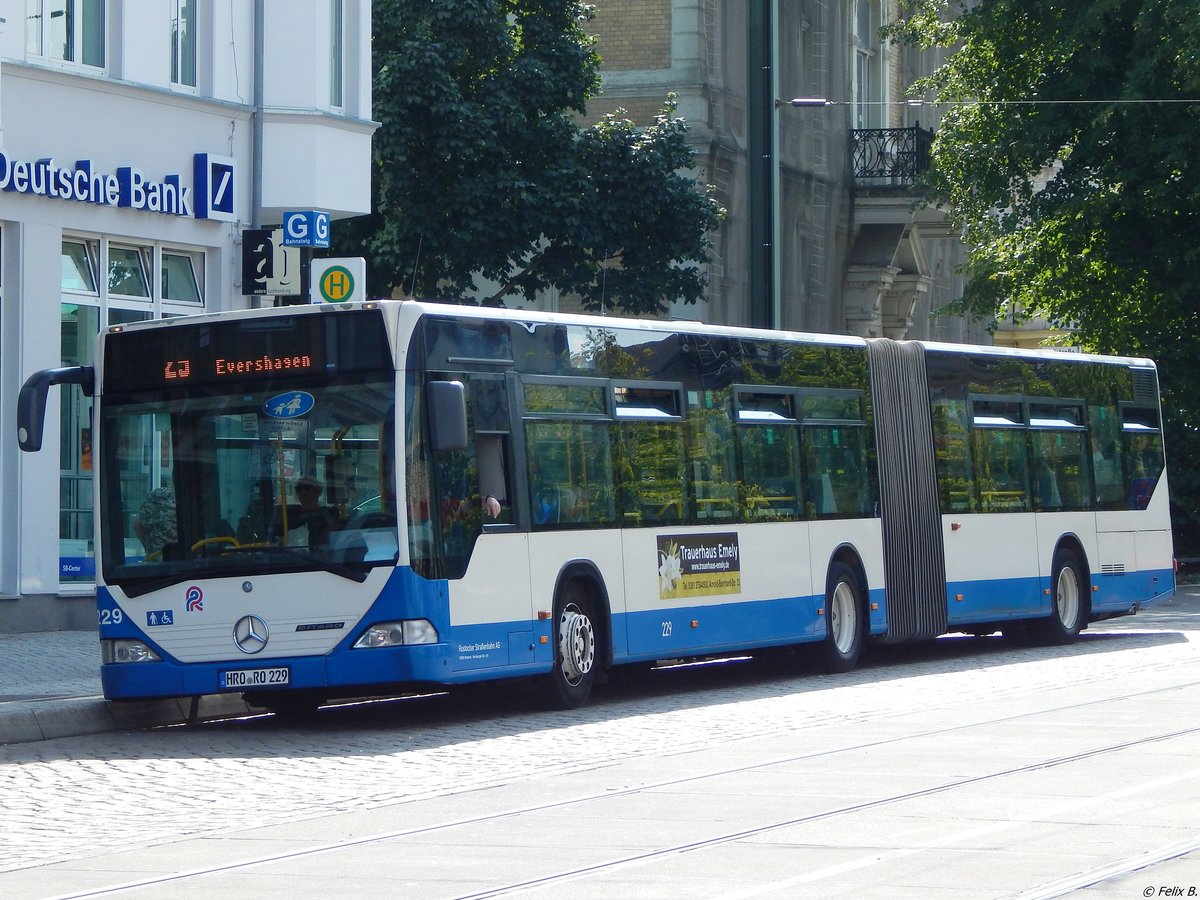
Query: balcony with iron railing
{"x":889,"y":158}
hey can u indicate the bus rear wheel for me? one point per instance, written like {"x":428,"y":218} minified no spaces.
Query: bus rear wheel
{"x":569,"y":684}
{"x":1067,"y":605}
{"x":844,"y":621}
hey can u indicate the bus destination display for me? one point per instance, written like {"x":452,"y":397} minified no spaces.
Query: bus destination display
{"x":181,"y":369}
{"x":212,"y":353}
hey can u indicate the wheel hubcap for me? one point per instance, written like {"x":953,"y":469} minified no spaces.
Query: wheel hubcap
{"x":1067,"y":597}
{"x":843,"y":617}
{"x":576,"y":645}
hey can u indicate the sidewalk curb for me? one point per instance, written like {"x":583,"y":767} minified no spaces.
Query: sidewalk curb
{"x":24,"y":722}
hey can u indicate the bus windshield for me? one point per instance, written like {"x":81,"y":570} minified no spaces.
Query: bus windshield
{"x":283,"y":472}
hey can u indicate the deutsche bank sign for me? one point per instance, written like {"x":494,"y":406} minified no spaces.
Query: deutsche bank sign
{"x":309,"y":228}
{"x":210,"y":196}
{"x":214,"y":180}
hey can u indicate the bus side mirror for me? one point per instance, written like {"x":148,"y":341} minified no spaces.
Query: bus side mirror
{"x":31,"y":402}
{"x":446,"y":404}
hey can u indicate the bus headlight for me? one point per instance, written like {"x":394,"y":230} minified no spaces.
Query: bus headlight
{"x":126,"y":650}
{"x":397,"y":634}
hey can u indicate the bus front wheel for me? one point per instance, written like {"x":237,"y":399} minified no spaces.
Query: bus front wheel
{"x":844,"y":621}
{"x":1067,"y":602}
{"x":570,"y":682}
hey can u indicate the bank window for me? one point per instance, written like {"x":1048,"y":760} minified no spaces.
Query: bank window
{"x":183,"y":42}
{"x":181,"y":276}
{"x":119,"y":316}
{"x":336,"y":53}
{"x":79,"y":266}
{"x":66,"y":30}
{"x":127,"y":272}
{"x":76,"y":546}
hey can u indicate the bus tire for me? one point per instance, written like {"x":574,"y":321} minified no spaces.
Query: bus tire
{"x":845,"y":622}
{"x":576,"y":647}
{"x":1063,"y":624}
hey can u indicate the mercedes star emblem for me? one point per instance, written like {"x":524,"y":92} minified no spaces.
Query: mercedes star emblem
{"x":250,"y":634}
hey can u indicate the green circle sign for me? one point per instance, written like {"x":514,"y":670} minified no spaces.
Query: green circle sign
{"x":337,"y":284}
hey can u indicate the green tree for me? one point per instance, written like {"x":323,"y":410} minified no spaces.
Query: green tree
{"x":1067,"y":156}
{"x":481,"y":169}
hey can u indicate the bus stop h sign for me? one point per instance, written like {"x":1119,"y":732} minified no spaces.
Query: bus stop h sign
{"x":339,"y":280}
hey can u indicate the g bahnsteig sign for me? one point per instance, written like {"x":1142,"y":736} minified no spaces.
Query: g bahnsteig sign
{"x":209,"y":196}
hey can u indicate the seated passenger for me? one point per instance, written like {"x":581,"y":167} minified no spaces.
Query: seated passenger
{"x":545,"y":506}
{"x":308,"y":523}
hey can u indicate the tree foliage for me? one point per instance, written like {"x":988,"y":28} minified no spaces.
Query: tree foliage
{"x":1067,"y":154}
{"x":483,"y":176}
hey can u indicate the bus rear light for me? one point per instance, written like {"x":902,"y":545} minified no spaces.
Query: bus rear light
{"x":126,"y":650}
{"x":398,"y":634}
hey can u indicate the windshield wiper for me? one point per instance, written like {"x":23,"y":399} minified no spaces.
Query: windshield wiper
{"x":137,"y":584}
{"x":328,"y":565}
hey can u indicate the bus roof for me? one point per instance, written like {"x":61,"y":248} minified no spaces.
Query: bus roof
{"x":418,"y":308}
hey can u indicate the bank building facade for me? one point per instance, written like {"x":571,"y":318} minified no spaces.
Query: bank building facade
{"x":138,"y":143}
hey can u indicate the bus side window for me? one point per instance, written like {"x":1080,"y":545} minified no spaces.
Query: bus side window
{"x":711,"y":459}
{"x":1104,"y":432}
{"x":650,"y":472}
{"x":1060,"y":470}
{"x":570,"y":473}
{"x":1142,"y":452}
{"x":953,"y":456}
{"x":770,"y":470}
{"x":837,"y":480}
{"x":1002,"y":469}
{"x":1144,"y":464}
{"x":489,"y":452}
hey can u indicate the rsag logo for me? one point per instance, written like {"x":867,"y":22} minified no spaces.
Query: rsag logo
{"x":195,"y":599}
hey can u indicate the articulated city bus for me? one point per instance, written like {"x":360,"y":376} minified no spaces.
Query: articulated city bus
{"x":313,"y":502}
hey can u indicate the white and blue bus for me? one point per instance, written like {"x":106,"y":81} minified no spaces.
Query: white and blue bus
{"x":305,"y":503}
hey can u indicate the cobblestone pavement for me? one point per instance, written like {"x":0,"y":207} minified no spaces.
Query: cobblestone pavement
{"x":84,"y":796}
{"x":41,"y":666}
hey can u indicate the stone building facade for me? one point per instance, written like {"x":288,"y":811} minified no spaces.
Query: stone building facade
{"x":823,"y":232}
